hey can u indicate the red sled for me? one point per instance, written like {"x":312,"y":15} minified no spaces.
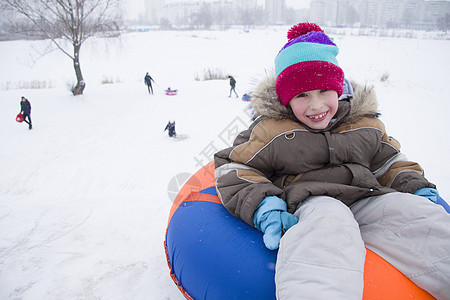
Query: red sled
{"x":19,"y":118}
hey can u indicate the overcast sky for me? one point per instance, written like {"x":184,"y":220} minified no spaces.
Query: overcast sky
{"x":134,"y":7}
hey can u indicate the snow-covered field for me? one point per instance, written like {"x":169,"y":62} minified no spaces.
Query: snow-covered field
{"x":84,"y":196}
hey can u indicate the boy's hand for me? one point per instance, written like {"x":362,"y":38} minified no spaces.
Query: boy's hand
{"x":275,"y":224}
{"x":430,"y":193}
{"x":272,"y":219}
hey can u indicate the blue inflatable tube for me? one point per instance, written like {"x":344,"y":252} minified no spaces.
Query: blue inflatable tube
{"x":198,"y":246}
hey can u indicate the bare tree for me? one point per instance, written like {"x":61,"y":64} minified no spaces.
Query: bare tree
{"x":63,"y":21}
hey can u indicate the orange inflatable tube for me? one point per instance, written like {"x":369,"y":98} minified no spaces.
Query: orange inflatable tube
{"x":381,"y":280}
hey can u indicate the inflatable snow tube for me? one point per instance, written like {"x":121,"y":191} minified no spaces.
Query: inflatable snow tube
{"x":214,"y":255}
{"x":246,"y":97}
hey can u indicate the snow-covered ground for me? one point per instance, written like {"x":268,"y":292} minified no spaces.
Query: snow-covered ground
{"x":85,"y":195}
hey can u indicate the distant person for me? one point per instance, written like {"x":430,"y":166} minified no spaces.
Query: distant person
{"x":233,"y":86}
{"x":148,"y":81}
{"x":171,"y":127}
{"x":25,"y":108}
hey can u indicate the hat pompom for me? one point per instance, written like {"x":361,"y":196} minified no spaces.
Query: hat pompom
{"x":302,"y":29}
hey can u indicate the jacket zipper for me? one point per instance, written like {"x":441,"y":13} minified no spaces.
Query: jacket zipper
{"x":365,"y":193}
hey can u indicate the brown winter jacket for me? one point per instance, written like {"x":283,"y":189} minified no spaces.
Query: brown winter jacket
{"x":351,"y":159}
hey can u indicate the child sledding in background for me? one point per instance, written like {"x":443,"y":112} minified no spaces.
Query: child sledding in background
{"x":171,"y":127}
{"x":319,"y":162}
{"x":171,"y":92}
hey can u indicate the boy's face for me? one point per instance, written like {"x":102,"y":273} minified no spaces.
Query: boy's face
{"x":315,"y":108}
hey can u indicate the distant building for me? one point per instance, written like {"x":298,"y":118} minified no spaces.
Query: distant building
{"x":435,"y":10}
{"x":275,"y":11}
{"x":248,"y":4}
{"x":368,"y":12}
{"x":418,"y":14}
{"x":154,"y":11}
{"x":181,"y":12}
{"x":414,"y":14}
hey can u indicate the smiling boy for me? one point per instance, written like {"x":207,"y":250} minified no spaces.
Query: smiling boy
{"x":316,"y":108}
{"x":318,"y":164}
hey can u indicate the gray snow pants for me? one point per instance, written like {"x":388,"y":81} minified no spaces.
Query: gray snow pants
{"x":322,"y":256}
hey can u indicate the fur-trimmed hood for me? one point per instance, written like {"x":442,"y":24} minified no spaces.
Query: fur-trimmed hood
{"x":265,"y":102}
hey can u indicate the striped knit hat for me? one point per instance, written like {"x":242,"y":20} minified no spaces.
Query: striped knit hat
{"x":306,"y":63}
